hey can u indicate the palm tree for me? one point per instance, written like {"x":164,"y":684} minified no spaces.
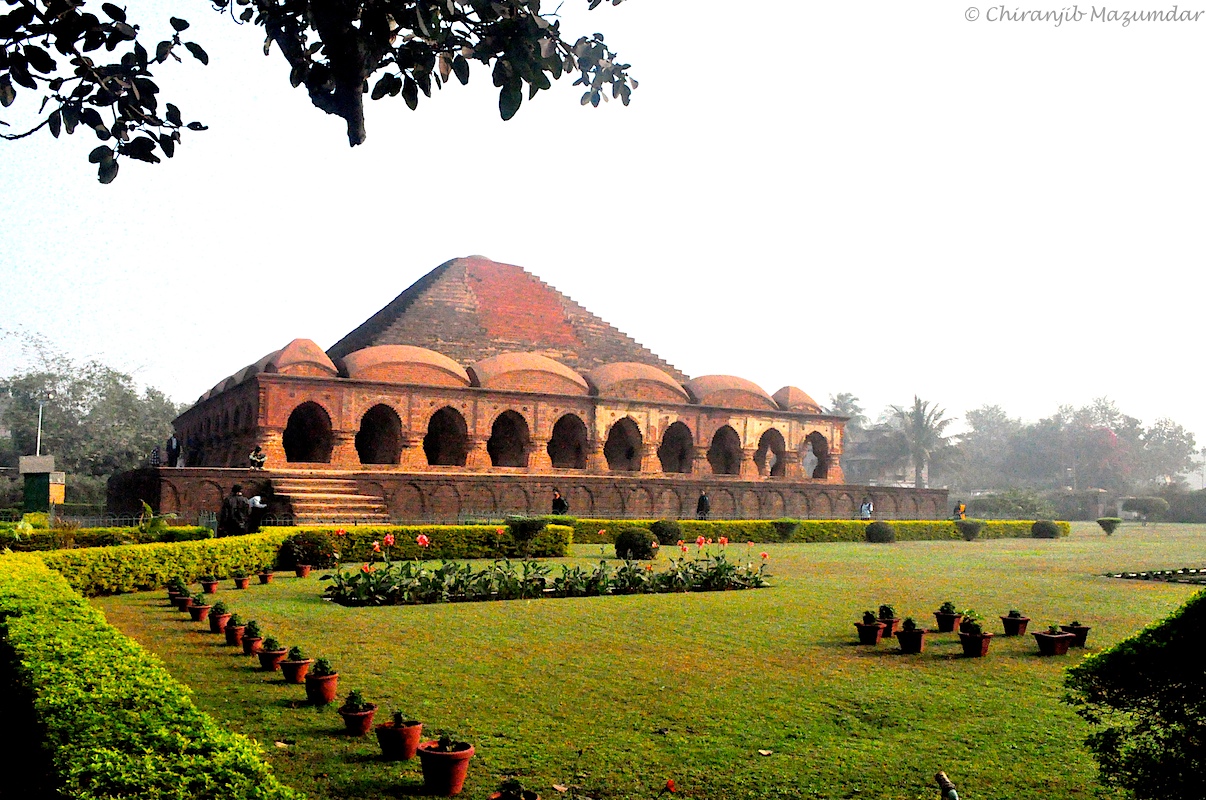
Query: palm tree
{"x":922,"y":427}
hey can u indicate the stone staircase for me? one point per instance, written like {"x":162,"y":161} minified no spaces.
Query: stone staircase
{"x":319,"y":496}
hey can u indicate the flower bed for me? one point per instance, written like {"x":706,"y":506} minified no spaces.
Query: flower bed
{"x":114,"y":722}
{"x":1194,"y":575}
{"x":587,"y":531}
{"x":444,"y":541}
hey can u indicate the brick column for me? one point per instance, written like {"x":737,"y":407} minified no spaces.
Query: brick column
{"x":700,"y":465}
{"x":595,"y":460}
{"x":412,"y":455}
{"x":649,"y":460}
{"x":343,"y":450}
{"x":271,"y":441}
{"x":478,"y":457}
{"x":791,"y":466}
{"x":538,"y":456}
{"x":749,"y":469}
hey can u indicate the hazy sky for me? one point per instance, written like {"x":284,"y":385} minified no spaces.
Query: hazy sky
{"x":882,"y":198}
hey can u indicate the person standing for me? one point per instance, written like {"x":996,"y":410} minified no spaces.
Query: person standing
{"x":173,"y":451}
{"x":232,"y":519}
{"x":866,"y":509}
{"x":703,"y":506}
{"x":960,"y":511}
{"x":560,"y":504}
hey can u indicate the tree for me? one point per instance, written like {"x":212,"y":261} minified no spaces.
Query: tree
{"x":333,"y":47}
{"x":1146,"y":698}
{"x":845,"y":404}
{"x":986,"y":447}
{"x":922,"y":429}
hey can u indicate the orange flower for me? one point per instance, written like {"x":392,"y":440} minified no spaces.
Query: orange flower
{"x":602,"y":532}
{"x":341,"y":532}
{"x":367,"y":568}
{"x":500,"y":531}
{"x":749,"y":544}
{"x":389,"y":540}
{"x":680,"y":542}
{"x":422,"y":540}
{"x":376,"y":547}
{"x":764,"y":555}
{"x":709,"y":541}
{"x":724,"y":540}
{"x":699,"y":542}
{"x":649,"y":568}
{"x":656,"y":545}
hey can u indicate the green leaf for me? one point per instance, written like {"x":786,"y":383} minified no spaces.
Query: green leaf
{"x":461,"y":68}
{"x":509,"y":99}
{"x":7,"y":95}
{"x":55,"y":122}
{"x":39,"y":59}
{"x":107,"y":171}
{"x":382,"y":87}
{"x":168,"y":145}
{"x":173,"y":115}
{"x":197,"y":52}
{"x":115,"y":13}
{"x":410,"y":93}
{"x":162,"y":51}
{"x":179,"y":24}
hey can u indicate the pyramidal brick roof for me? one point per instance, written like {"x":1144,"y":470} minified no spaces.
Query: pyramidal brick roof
{"x":473,"y":308}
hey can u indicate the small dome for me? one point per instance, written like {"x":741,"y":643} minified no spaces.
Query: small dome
{"x":527,"y":372}
{"x":630,"y":380}
{"x":403,"y":363}
{"x":729,"y":391}
{"x":304,"y":357}
{"x":790,"y":398}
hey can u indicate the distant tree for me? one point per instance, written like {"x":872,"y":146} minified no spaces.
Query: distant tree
{"x":845,"y":404}
{"x":922,"y":427}
{"x":86,"y":60}
{"x":1168,"y":451}
{"x":986,"y":449}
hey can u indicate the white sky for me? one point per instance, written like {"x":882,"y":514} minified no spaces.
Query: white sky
{"x":879,"y":197}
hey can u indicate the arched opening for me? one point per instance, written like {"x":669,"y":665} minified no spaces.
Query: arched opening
{"x":567,"y":447}
{"x":771,"y":453}
{"x":815,"y":459}
{"x":379,"y":440}
{"x":677,"y":452}
{"x":623,"y":447}
{"x":447,"y":441}
{"x":508,"y":443}
{"x":724,"y":455}
{"x":308,"y":435}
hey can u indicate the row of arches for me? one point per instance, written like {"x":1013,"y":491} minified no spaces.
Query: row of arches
{"x":308,"y":438}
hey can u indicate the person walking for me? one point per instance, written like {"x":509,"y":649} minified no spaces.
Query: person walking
{"x":560,"y":504}
{"x":866,"y":509}
{"x":703,"y":506}
{"x":235,"y":513}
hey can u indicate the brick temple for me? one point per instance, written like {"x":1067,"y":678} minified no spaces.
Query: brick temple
{"x":480,"y":390}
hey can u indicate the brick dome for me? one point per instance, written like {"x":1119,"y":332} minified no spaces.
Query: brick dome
{"x":630,"y":380}
{"x":790,"y":398}
{"x":401,"y":363}
{"x":527,"y":372}
{"x":302,"y":357}
{"x":729,"y":391}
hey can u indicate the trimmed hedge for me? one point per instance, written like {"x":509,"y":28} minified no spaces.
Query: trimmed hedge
{"x":446,"y":541}
{"x":113,"y":722}
{"x":586,"y":531}
{"x":63,"y":538}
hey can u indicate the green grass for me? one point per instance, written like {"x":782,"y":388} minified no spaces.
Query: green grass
{"x":691,"y":687}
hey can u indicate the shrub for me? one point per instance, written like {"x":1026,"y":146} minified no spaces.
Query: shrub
{"x":784,"y":528}
{"x":1109,"y":524}
{"x":1011,"y":504}
{"x":1044,"y":529}
{"x":322,"y":668}
{"x":635,"y":543}
{"x":295,"y":654}
{"x":667,"y":531}
{"x":811,"y":530}
{"x":969,"y":529}
{"x":880,"y":532}
{"x":524,"y":529}
{"x":1150,"y":508}
{"x":316,"y":548}
{"x":887,"y":612}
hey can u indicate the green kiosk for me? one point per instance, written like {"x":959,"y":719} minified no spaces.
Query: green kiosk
{"x":43,"y":486}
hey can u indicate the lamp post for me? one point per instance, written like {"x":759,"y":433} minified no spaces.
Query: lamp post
{"x":46,"y":398}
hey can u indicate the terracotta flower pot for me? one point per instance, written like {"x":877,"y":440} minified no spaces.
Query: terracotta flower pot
{"x":265,"y":577}
{"x":217,"y":622}
{"x":1015,"y":626}
{"x":234,"y":635}
{"x":270,"y":660}
{"x":321,"y":689}
{"x":1053,"y":644}
{"x":358,"y":723}
{"x":399,"y":742}
{"x":172,"y":595}
{"x":199,"y":613}
{"x":911,"y":641}
{"x":302,"y":570}
{"x":891,"y":626}
{"x":182,"y":603}
{"x":241,"y":583}
{"x":869,"y":634}
{"x":251,"y":645}
{"x":295,"y":671}
{"x":975,"y":645}
{"x":947,"y":622}
{"x":444,"y":773}
{"x":1079,"y":632}
{"x":209,"y":587}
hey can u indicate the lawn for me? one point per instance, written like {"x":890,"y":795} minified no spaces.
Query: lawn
{"x":615,"y":695}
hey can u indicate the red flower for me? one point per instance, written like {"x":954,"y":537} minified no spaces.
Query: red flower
{"x":500,"y":531}
{"x":376,"y":547}
{"x":724,"y":540}
{"x":709,"y":541}
{"x":602,"y":532}
{"x":649,"y":568}
{"x":749,"y":544}
{"x":341,"y":532}
{"x":765,"y":556}
{"x":422,"y":540}
{"x":683,"y":548}
{"x":367,"y":568}
{"x":656,"y":545}
{"x":670,"y":785}
{"x":389,"y":540}
{"x":699,"y":542}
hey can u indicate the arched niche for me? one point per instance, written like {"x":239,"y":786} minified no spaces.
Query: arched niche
{"x":379,"y":440}
{"x":724,"y":454}
{"x":818,"y":465}
{"x":623,"y":447}
{"x":447,"y":441}
{"x":567,"y":446}
{"x":771,"y":454}
{"x":677,"y":451}
{"x":508,"y":443}
{"x":307,"y":438}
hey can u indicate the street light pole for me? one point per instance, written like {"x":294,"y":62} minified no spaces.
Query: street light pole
{"x":46,"y":398}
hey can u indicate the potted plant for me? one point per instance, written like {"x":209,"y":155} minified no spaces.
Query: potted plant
{"x":219,"y":616}
{"x":1053,"y":642}
{"x":512,"y":789}
{"x":322,"y":682}
{"x":399,"y":737}
{"x":973,"y":637}
{"x":175,"y":588}
{"x":887,"y":615}
{"x":870,"y":630}
{"x":302,"y":570}
{"x":265,"y":576}
{"x":234,"y":631}
{"x":445,"y":763}
{"x":240,"y":579}
{"x":947,"y":617}
{"x":295,"y":665}
{"x":199,"y":610}
{"x":911,"y":638}
{"x":1015,"y":623}
{"x":271,"y":654}
{"x":182,"y":600}
{"x":968,"y":617}
{"x":357,"y":713}
{"x":252,"y":638}
{"x":1080,"y":632}
{"x":209,"y":584}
